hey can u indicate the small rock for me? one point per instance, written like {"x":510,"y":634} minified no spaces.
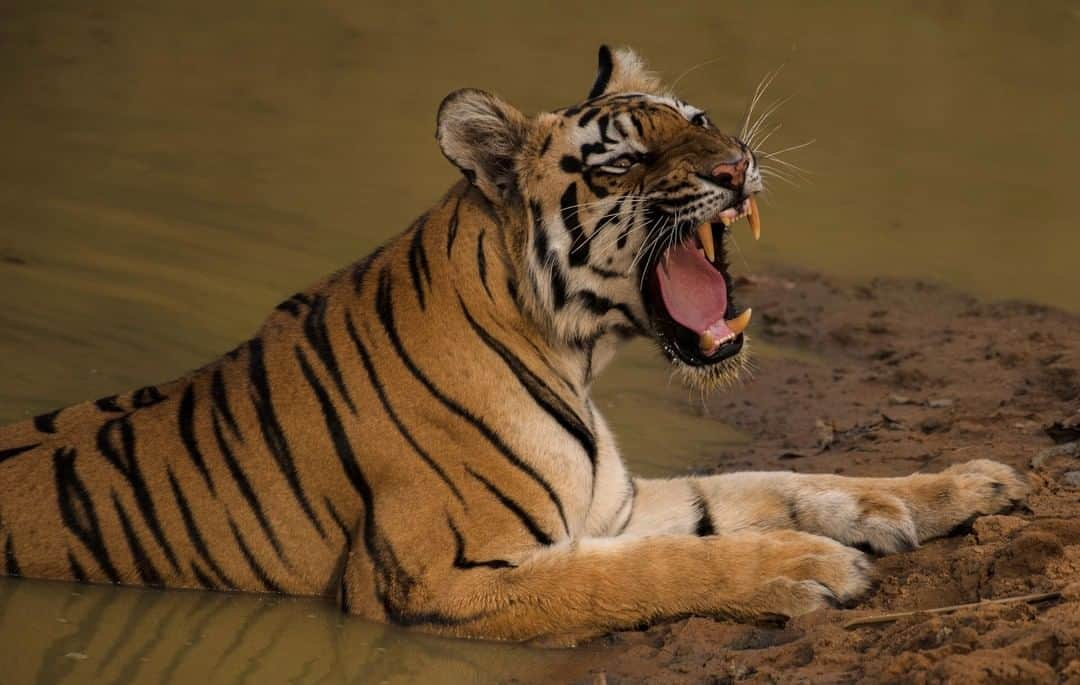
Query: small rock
{"x":1069,"y":449}
{"x":1065,"y":430}
{"x":826,"y":433}
{"x":77,"y":656}
{"x":941,"y":403}
{"x":900,"y":400}
{"x":932,"y":425}
{"x":1071,"y":478}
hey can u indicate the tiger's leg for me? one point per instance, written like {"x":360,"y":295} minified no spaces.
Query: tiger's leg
{"x":571,"y":591}
{"x":886,"y":514}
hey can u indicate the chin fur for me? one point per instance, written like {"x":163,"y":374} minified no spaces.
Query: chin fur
{"x":706,"y":379}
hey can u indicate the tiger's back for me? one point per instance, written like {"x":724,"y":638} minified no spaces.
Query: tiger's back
{"x":253,"y":472}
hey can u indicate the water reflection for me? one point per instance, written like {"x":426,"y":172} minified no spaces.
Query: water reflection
{"x":81,"y":634}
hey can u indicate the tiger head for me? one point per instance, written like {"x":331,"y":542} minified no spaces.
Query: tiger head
{"x":616,"y":212}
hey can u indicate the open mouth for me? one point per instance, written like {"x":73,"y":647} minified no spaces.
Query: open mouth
{"x":689,"y":292}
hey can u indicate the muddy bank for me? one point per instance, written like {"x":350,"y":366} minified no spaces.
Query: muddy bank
{"x":899,"y":377}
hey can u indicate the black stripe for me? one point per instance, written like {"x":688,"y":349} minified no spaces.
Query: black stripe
{"x":603,"y":76}
{"x":544,"y":147}
{"x":252,"y":562}
{"x":619,"y":127}
{"x":185,"y":420}
{"x":143,"y":565}
{"x":147,"y":397}
{"x":637,"y":126}
{"x":382,"y":555}
{"x":418,"y":262}
{"x":677,"y":202}
{"x":220,"y":398}
{"x":385,"y":311}
{"x":452,"y":228}
{"x":380,"y":391}
{"x":543,"y":357}
{"x":541,"y":392}
{"x":602,"y":124}
{"x":570,"y":164}
{"x":244,"y":485}
{"x":633,"y":501}
{"x":77,"y":513}
{"x":346,"y":532}
{"x":481,"y":262}
{"x":463,"y":562}
{"x":545,"y":260}
{"x":588,"y":116}
{"x":272,"y":432}
{"x":362,"y":268}
{"x":108,"y":404}
{"x":295,"y":304}
{"x":11,"y":562}
{"x":704,"y":525}
{"x":318,"y":337}
{"x":599,"y":305}
{"x":609,"y":216}
{"x":532,"y":526}
{"x":124,"y":459}
{"x":579,"y":242}
{"x":606,"y":273}
{"x":592,"y":149}
{"x":205,"y":581}
{"x":10,"y":452}
{"x":337,"y":433}
{"x":46,"y":423}
{"x":77,"y":571}
{"x":194,"y":534}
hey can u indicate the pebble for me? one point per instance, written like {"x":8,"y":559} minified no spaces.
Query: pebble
{"x":1071,"y":478}
{"x":941,"y":403}
{"x":1069,"y":449}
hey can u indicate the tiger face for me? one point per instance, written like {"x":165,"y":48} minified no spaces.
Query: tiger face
{"x":617,"y":211}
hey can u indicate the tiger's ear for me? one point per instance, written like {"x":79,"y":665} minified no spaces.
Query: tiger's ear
{"x":623,"y":71}
{"x":481,"y":135}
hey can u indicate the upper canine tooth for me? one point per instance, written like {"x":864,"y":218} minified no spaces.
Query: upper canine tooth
{"x":704,"y":234}
{"x":740,"y":322}
{"x":754,"y":217}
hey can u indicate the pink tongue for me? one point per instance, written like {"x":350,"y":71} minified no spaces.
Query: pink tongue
{"x":693,"y":291}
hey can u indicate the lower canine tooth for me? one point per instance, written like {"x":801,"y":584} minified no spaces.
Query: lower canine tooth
{"x":740,"y":322}
{"x":754,"y":217}
{"x":704,"y":234}
{"x":707,"y":342}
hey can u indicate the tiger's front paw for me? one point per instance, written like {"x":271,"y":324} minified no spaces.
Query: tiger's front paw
{"x":953,"y":498}
{"x":804,"y":572}
{"x":987,"y":487}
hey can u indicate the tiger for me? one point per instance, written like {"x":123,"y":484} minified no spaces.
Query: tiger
{"x":414,"y":438}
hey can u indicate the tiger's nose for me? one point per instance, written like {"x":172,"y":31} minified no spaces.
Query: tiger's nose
{"x":731,"y":174}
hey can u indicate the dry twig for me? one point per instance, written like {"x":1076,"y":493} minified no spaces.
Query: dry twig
{"x":889,"y":618}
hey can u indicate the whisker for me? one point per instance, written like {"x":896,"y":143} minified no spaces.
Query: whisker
{"x":695,"y":68}
{"x":762,"y":86}
{"x":765,"y":116}
{"x":774,"y":153}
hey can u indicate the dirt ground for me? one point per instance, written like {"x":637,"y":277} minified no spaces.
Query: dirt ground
{"x":903,"y":377}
